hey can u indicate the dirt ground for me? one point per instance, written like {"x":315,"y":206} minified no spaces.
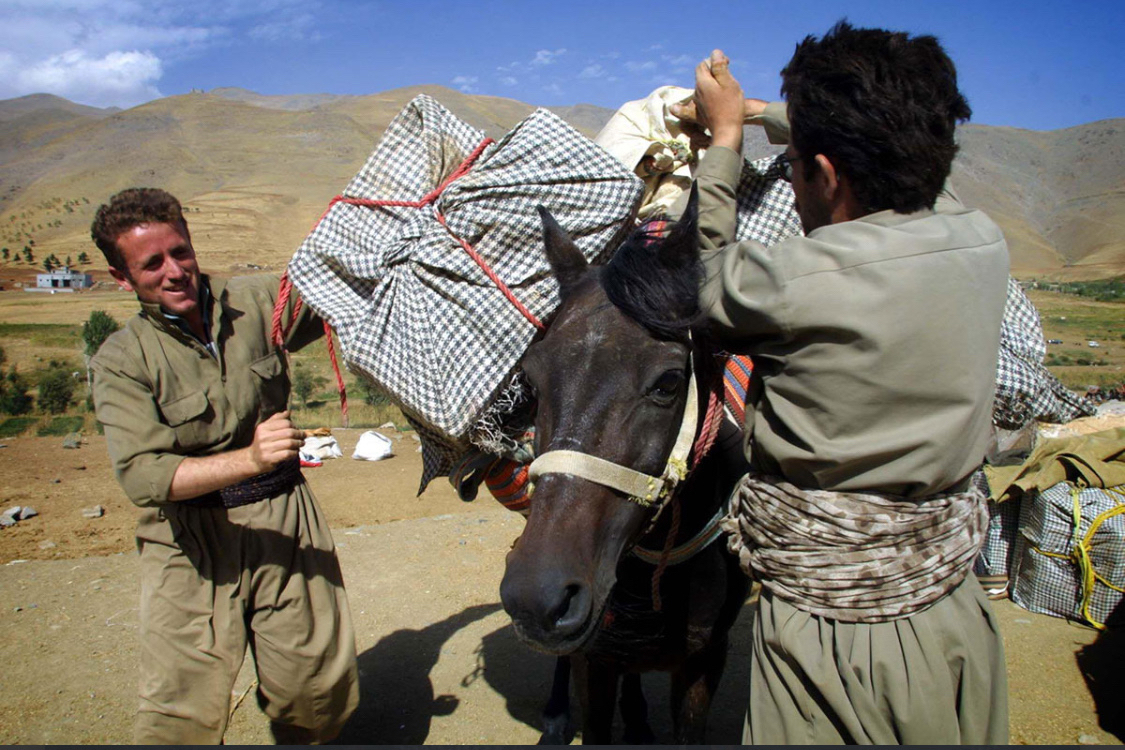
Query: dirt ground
{"x":439,"y":661}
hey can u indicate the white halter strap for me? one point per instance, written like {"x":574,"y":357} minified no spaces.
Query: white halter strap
{"x":643,"y":489}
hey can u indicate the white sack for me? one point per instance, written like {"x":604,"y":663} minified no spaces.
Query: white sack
{"x":372,"y":447}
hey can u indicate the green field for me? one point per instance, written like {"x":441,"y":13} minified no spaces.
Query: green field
{"x":1075,"y":320}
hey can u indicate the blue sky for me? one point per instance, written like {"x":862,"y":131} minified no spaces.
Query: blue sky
{"x":1030,"y":64}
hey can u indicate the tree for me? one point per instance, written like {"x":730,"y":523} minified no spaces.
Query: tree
{"x":304,"y":383}
{"x":56,"y":389}
{"x":68,"y":262}
{"x":373,"y":395}
{"x":5,"y":253}
{"x":48,"y":263}
{"x":14,"y":398}
{"x":28,"y":255}
{"x":97,"y":328}
{"x":83,"y":258}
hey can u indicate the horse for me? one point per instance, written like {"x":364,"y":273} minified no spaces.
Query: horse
{"x":591,"y":578}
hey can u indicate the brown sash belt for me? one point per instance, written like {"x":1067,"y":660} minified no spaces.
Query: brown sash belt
{"x":278,"y":481}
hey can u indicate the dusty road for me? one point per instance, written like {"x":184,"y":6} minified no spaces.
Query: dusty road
{"x":440,"y":664}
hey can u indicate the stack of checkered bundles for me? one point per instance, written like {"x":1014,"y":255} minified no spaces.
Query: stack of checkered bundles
{"x":414,"y":312}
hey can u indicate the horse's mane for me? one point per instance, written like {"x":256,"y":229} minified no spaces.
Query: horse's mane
{"x":654,"y":279}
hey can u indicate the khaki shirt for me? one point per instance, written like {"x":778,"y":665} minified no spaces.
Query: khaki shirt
{"x":162,"y":396}
{"x":874,"y":341}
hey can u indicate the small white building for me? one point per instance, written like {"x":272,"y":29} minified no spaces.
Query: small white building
{"x":64,"y":278}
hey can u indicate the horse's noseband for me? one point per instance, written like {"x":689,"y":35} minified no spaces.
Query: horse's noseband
{"x":642,"y":489}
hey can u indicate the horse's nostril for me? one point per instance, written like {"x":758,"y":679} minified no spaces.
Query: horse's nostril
{"x":571,"y":613}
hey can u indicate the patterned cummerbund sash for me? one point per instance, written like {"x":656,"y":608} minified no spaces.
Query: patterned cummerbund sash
{"x":278,"y":481}
{"x":854,"y":556}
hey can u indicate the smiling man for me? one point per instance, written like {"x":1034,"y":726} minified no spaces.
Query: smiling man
{"x":874,"y":339}
{"x":234,"y":549}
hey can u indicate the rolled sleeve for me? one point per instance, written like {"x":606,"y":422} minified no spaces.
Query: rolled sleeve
{"x":140,"y":445}
{"x":775,"y":120}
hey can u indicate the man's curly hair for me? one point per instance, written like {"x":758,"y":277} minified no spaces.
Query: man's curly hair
{"x":883,"y":106}
{"x":130,"y":208}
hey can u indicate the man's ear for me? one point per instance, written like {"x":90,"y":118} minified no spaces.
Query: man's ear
{"x":827,"y":179}
{"x":836,"y":190}
{"x":121,"y":278}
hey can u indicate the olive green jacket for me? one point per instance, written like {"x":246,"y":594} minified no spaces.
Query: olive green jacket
{"x":162,"y":396}
{"x":874,"y":341}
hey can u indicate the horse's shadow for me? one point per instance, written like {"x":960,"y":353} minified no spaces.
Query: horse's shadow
{"x":523,"y":677}
{"x":397,"y":701}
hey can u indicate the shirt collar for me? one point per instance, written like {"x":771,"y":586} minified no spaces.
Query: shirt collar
{"x":158,"y":314}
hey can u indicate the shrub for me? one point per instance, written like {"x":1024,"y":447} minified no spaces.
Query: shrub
{"x":59,"y":426}
{"x":373,"y":395}
{"x":97,"y":328}
{"x":304,"y":383}
{"x":14,"y":396}
{"x":56,"y":389}
{"x":13,"y":426}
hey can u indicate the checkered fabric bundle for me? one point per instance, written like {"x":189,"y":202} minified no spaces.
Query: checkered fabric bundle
{"x":767,"y":210}
{"x":1025,"y":389}
{"x":414,"y":313}
{"x":1050,"y":576}
{"x":996,"y":554}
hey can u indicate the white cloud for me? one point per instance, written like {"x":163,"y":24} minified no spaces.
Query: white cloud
{"x":466,"y":84}
{"x":554,"y":89}
{"x":593,"y":71}
{"x":123,"y":79}
{"x":509,"y":80}
{"x":546,"y":56}
{"x":680,"y":61}
{"x":298,"y":28}
{"x":640,"y":67}
{"x":115,"y":52}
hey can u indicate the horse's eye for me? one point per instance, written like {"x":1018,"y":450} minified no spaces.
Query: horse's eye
{"x":667,"y":387}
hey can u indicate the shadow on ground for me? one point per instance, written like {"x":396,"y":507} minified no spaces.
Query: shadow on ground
{"x":523,"y":678}
{"x":1102,"y":664}
{"x":398,"y":702}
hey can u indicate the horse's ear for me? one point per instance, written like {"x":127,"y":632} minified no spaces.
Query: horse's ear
{"x":681,"y":246}
{"x":567,"y":261}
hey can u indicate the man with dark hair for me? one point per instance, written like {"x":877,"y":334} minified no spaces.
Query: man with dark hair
{"x":874,"y":339}
{"x":234,"y":549}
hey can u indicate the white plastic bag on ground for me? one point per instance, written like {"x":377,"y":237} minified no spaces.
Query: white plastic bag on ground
{"x":372,"y":447}
{"x":322,"y":447}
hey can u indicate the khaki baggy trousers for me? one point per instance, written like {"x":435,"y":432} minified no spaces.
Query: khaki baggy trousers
{"x":214,"y":580}
{"x":935,"y":678}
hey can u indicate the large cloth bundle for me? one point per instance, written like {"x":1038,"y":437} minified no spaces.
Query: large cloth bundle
{"x":1067,"y":552}
{"x":1070,"y":553}
{"x":415,"y":313}
{"x":1026,"y":390}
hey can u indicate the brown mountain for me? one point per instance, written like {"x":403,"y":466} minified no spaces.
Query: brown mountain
{"x":255,"y":172}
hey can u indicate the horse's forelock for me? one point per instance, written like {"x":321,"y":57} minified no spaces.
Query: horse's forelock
{"x":654,"y":284}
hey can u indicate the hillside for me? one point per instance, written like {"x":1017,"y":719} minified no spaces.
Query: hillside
{"x":256,"y":171}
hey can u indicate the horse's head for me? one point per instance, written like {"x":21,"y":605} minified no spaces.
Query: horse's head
{"x":611,"y":378}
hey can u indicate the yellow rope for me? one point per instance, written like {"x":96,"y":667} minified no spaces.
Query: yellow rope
{"x":1080,"y":553}
{"x":1087,"y":575}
